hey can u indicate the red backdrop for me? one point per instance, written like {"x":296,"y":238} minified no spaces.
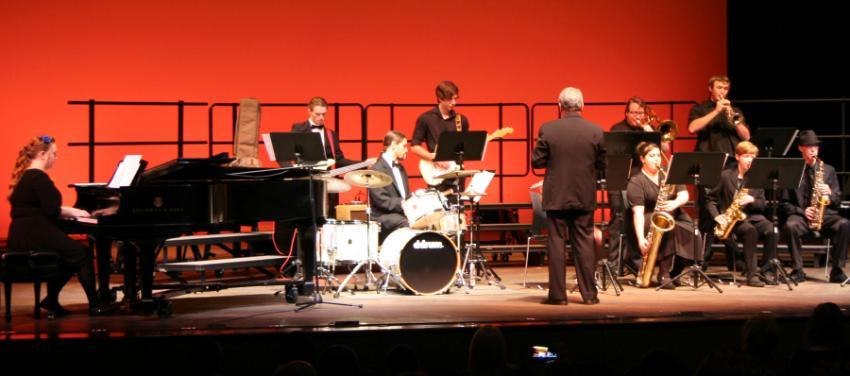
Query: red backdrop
{"x":366,"y":52}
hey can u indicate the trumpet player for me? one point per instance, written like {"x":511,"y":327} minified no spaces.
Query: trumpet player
{"x":729,"y":199}
{"x":648,"y":194}
{"x":812,"y":207}
{"x":718,"y":125}
{"x":718,"y":129}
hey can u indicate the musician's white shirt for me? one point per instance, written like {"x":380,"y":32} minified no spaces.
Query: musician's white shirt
{"x":388,"y":157}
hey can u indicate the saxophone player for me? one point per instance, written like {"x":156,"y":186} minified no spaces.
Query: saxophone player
{"x":801,"y":210}
{"x":644,"y":192}
{"x":750,"y":202}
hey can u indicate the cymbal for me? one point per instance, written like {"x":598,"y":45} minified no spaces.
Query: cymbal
{"x":458,"y":174}
{"x":368,"y":179}
{"x":336,"y":185}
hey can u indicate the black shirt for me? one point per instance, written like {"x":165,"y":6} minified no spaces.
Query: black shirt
{"x":430,"y":125}
{"x":624,"y":126}
{"x":719,"y":134}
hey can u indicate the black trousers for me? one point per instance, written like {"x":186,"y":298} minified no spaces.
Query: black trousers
{"x":834,"y":226}
{"x":577,"y":226}
{"x":748,"y":232}
{"x":389,"y":223}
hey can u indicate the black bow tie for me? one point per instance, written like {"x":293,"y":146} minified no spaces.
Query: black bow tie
{"x":396,"y":164}
{"x":317,"y":126}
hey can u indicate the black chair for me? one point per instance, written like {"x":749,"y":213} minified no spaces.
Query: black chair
{"x":538,"y":224}
{"x":26,"y":266}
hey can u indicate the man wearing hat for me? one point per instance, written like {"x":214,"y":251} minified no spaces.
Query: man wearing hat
{"x":799,"y":212}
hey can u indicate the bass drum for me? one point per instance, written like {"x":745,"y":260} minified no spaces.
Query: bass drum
{"x":425,"y":262}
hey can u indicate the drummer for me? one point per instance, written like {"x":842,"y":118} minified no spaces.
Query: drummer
{"x":386,"y":201}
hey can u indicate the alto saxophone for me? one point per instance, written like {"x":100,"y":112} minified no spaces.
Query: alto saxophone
{"x":733,"y":215}
{"x":818,"y":201}
{"x":659,"y":223}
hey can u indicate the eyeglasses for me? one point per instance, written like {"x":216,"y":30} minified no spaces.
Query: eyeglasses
{"x":637,"y":113}
{"x":46,"y":139}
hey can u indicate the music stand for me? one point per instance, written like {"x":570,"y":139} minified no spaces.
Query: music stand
{"x":625,"y":142}
{"x":618,"y":146}
{"x":460,"y":147}
{"x":698,"y":168}
{"x":617,"y":173}
{"x":774,"y":142}
{"x":774,"y":175}
{"x":305,"y":149}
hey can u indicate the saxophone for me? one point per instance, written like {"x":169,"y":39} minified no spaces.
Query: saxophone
{"x":819,"y":202}
{"x":733,"y":215}
{"x":660,"y":222}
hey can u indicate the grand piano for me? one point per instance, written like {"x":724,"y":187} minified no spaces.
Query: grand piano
{"x":187,"y":195}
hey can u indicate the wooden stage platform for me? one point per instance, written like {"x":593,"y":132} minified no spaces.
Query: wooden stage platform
{"x":251,"y":330}
{"x":252,"y":309}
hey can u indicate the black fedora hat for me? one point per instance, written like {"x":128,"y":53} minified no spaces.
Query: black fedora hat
{"x":808,"y":138}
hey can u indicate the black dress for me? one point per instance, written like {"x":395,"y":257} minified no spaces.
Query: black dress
{"x":642,"y":191}
{"x":36,"y":206}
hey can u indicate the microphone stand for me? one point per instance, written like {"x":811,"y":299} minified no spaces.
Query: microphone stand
{"x":316,"y":297}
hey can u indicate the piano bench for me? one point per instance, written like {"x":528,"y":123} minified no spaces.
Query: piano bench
{"x":26,"y":266}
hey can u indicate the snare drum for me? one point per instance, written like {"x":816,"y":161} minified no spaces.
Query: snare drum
{"x":426,"y":262}
{"x":346,"y":242}
{"x":424,"y":208}
{"x":448,"y":224}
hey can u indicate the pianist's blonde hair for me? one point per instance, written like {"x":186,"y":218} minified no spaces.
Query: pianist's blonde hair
{"x":25,"y":156}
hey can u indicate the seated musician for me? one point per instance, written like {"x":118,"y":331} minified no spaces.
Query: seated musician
{"x":386,"y":202}
{"x":36,"y":208}
{"x":819,"y":182}
{"x":643,"y":194}
{"x":752,"y":204}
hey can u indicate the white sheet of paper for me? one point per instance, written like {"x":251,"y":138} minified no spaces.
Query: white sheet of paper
{"x":267,"y":140}
{"x":479,"y":183}
{"x":126,"y":171}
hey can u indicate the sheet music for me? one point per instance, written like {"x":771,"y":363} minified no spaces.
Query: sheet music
{"x":126,"y":171}
{"x":479,"y":183}
{"x":267,"y":141}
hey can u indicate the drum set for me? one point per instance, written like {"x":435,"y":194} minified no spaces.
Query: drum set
{"x":423,"y":259}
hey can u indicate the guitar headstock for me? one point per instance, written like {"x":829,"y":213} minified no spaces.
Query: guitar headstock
{"x":499,"y":133}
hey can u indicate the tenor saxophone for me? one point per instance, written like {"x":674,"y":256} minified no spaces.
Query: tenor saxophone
{"x":733,"y":215}
{"x":660,"y":222}
{"x":818,"y":201}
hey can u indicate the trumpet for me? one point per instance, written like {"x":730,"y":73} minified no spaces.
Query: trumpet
{"x":732,"y":117}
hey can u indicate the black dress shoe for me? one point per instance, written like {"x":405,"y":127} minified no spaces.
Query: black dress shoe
{"x":592,"y":301}
{"x":54,"y":309}
{"x":754,"y":281}
{"x":798,"y":276}
{"x":550,"y":301}
{"x":663,"y":282}
{"x":837,"y":278}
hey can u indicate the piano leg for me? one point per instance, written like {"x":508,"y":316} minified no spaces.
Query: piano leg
{"x":103,"y":252}
{"x":130,"y":250}
{"x":147,"y":260}
{"x":307,"y":239}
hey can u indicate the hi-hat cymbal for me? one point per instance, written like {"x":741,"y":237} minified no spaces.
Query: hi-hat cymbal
{"x":368,"y":179}
{"x":458,"y":174}
{"x":336,"y":185}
